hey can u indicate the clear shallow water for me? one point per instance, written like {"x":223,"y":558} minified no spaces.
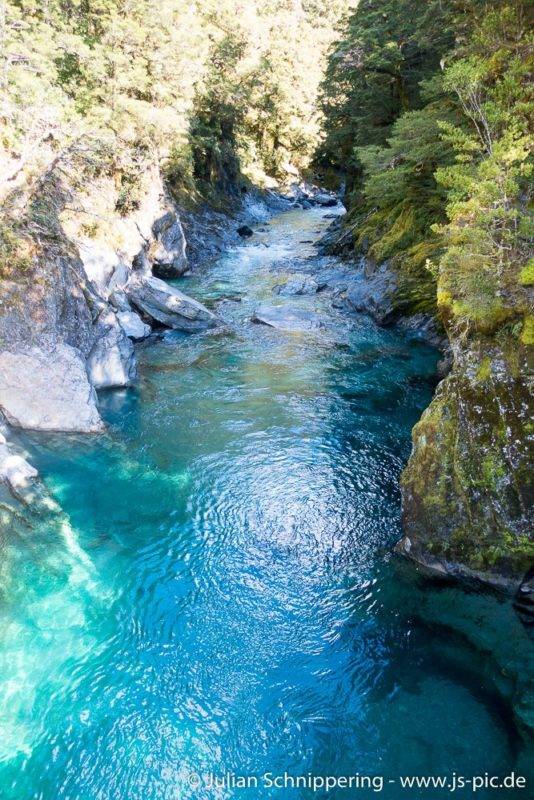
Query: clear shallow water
{"x":221,"y":598}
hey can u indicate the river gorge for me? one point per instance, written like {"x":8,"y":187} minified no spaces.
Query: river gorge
{"x":221,"y":595}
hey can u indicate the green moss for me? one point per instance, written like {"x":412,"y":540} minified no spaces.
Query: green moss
{"x":484,"y":371}
{"x":526,"y":276}
{"x":492,"y":470}
{"x":527,"y":334}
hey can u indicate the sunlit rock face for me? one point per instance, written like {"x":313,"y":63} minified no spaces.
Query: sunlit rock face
{"x":168,"y":306}
{"x":111,"y":362}
{"x":132,"y":325}
{"x":48,"y":390}
{"x":67,"y":327}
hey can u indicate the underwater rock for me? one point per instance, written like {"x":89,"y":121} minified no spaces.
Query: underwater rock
{"x":286,"y":318}
{"x":15,"y":471}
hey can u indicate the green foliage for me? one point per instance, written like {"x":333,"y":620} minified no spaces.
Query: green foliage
{"x":207,"y":89}
{"x":384,"y":106}
{"x":400,"y":200}
{"x":434,"y":136}
{"x":486,"y":239}
{"x":375,"y":72}
{"x":526,"y":276}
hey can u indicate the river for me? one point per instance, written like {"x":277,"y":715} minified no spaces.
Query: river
{"x":224,"y":600}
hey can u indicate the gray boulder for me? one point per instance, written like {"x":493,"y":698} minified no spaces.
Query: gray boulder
{"x":132,"y":325}
{"x":171,"y":308}
{"x":119,"y":301}
{"x":326,"y":200}
{"x":286,"y":318}
{"x":15,"y":471}
{"x":168,"y":251}
{"x":297,"y":286}
{"x":373,"y":295}
{"x":111,"y":362}
{"x":48,"y":390}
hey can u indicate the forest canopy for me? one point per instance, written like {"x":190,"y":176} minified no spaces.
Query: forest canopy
{"x":428,"y":110}
{"x":206,"y":87}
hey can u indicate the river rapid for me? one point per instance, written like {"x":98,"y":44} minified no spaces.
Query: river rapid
{"x":223,"y":600}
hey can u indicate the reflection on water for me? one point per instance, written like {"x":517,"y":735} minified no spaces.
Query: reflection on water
{"x":233,"y":606}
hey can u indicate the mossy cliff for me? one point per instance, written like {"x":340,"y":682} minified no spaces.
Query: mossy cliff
{"x":429,"y":116}
{"x":467,"y":489}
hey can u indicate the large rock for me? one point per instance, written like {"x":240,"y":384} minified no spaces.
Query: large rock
{"x":132,"y":325}
{"x":15,"y":471}
{"x":111,"y":362}
{"x":168,"y":306}
{"x":468,"y":491}
{"x":326,"y":200}
{"x":100,"y":261}
{"x":296,"y":286}
{"x":48,"y":390}
{"x":372,"y":294}
{"x":286,"y":318}
{"x":168,"y":252}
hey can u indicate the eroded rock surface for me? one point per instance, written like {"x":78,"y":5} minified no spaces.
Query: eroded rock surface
{"x":168,"y":253}
{"x":48,"y":390}
{"x":132,"y":325}
{"x":168,"y":306}
{"x":111,"y":362}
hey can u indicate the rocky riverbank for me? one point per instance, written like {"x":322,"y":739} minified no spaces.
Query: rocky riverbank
{"x":467,"y":488}
{"x":96,"y":285}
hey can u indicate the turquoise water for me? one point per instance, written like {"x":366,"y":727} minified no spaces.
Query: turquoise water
{"x":219,"y":596}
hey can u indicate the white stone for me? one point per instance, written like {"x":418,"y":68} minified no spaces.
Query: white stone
{"x":132,"y":325}
{"x":15,"y":470}
{"x":111,"y":362}
{"x":48,"y":390}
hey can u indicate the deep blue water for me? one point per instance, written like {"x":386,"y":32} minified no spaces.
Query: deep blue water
{"x":222,"y":597}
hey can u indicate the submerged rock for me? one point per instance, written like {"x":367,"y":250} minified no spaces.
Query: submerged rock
{"x":245,"y":231}
{"x":285,"y":318}
{"x":48,"y":390}
{"x":15,"y":471}
{"x":111,"y":362}
{"x":163,"y":303}
{"x":298,"y":286}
